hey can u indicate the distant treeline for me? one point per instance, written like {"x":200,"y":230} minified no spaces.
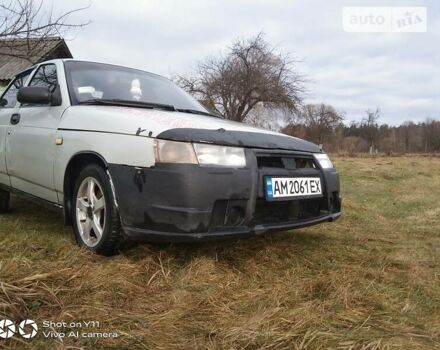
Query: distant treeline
{"x":323,"y":125}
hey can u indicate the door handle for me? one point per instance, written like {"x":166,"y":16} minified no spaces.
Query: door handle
{"x":15,"y":119}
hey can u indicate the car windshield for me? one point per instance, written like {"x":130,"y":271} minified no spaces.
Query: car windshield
{"x":92,"y":82}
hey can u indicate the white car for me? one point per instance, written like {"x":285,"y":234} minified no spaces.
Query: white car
{"x":127,"y":154}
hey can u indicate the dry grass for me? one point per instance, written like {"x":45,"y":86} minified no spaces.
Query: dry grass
{"x":369,"y":281}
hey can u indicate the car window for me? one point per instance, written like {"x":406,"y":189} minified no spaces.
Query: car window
{"x":9,"y":98}
{"x":45,"y":76}
{"x":88,"y":81}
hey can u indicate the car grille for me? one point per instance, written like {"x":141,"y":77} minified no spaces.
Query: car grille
{"x":232,"y":213}
{"x":285,"y":161}
{"x":288,"y":164}
{"x":287,"y":211}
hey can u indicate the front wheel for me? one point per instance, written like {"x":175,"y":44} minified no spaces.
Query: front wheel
{"x":94,"y":214}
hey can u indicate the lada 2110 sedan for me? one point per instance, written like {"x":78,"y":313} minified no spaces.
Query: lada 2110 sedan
{"x":127,"y":154}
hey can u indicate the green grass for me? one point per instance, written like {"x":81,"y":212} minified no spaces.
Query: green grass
{"x":369,"y":281}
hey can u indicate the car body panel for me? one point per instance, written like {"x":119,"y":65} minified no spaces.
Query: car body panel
{"x":112,"y":148}
{"x":32,"y":142}
{"x":190,"y":202}
{"x":153,"y":122}
{"x":5,"y":116}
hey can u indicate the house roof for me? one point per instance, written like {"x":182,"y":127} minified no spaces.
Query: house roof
{"x":18,"y":54}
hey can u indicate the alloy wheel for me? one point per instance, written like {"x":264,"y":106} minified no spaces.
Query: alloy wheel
{"x":90,"y":211}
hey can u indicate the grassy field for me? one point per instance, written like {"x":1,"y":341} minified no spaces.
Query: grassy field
{"x":369,"y":281}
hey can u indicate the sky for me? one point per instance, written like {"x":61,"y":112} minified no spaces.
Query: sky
{"x":396,"y":72}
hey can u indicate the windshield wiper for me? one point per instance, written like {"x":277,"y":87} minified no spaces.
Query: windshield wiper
{"x":195,"y":111}
{"x":117,"y":102}
{"x":141,"y":104}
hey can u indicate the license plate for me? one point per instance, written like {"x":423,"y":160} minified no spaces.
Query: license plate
{"x":288,"y":187}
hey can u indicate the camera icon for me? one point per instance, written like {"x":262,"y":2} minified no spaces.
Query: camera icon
{"x":27,"y":329}
{"x":7,"y":329}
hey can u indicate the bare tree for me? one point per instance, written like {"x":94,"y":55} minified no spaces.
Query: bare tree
{"x":250,"y":73}
{"x":271,"y":119}
{"x":370,"y":128}
{"x":24,"y":26}
{"x":321,"y":120}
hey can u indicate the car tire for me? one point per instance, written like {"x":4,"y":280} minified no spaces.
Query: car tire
{"x":95,"y":215}
{"x":5,"y":200}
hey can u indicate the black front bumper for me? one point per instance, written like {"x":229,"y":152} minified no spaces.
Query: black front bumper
{"x":180,"y":202}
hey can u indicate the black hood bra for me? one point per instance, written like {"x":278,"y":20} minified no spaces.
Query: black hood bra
{"x":239,"y":138}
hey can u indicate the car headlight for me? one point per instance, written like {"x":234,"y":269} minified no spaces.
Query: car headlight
{"x":175,"y":152}
{"x":198,"y":153}
{"x":323,"y":160}
{"x":233,"y":157}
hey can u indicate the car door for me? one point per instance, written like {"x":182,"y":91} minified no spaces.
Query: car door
{"x":30,"y":141}
{"x":8,"y":104}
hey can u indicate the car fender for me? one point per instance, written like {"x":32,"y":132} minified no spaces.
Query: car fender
{"x":112,"y":148}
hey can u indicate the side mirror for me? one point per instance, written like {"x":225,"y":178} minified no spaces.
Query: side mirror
{"x":3,"y":102}
{"x":39,"y":95}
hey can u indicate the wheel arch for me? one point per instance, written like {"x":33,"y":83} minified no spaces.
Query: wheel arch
{"x":76,"y":163}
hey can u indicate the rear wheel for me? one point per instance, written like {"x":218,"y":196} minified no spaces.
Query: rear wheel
{"x":94,"y":214}
{"x":5,"y":199}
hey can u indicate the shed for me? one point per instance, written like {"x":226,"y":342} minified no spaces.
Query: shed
{"x":18,"y":54}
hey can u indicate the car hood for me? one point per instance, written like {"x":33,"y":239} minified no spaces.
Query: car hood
{"x":177,"y":126}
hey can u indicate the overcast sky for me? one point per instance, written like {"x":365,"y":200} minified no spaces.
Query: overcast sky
{"x":397,"y":72}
